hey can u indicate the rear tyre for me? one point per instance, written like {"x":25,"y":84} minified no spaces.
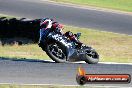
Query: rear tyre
{"x":56,"y":52}
{"x":92,"y":57}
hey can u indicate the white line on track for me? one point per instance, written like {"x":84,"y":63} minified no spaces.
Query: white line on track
{"x":99,"y":62}
{"x":115,"y":63}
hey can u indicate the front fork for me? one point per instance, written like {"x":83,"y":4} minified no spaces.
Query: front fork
{"x":41,"y":33}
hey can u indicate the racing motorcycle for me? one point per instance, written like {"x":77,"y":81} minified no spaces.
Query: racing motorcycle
{"x":60,"y":49}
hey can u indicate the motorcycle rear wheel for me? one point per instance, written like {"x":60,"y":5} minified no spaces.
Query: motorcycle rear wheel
{"x":56,"y":52}
{"x":92,"y":57}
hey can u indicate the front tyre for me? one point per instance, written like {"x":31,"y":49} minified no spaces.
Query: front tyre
{"x":92,"y":57}
{"x":56,"y":52}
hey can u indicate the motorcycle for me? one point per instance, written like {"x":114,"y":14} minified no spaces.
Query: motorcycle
{"x":60,"y":49}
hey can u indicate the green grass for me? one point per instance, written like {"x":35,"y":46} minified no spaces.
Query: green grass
{"x":35,"y":86}
{"x":31,"y":51}
{"x":32,"y":86}
{"x":44,"y":86}
{"x":111,"y":47}
{"x":124,"y":5}
{"x":7,"y":16}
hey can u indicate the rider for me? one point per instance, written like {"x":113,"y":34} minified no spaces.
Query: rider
{"x":47,"y":25}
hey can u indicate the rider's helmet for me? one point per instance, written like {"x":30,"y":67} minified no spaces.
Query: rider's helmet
{"x":46,"y":23}
{"x":77,"y":35}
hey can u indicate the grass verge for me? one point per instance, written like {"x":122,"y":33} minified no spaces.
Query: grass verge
{"x":124,"y":5}
{"x":110,"y":46}
{"x":29,"y":86}
{"x":7,"y":16}
{"x":43,"y":86}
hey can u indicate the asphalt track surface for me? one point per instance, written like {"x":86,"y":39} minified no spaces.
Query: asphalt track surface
{"x":44,"y":72}
{"x":104,"y":21}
